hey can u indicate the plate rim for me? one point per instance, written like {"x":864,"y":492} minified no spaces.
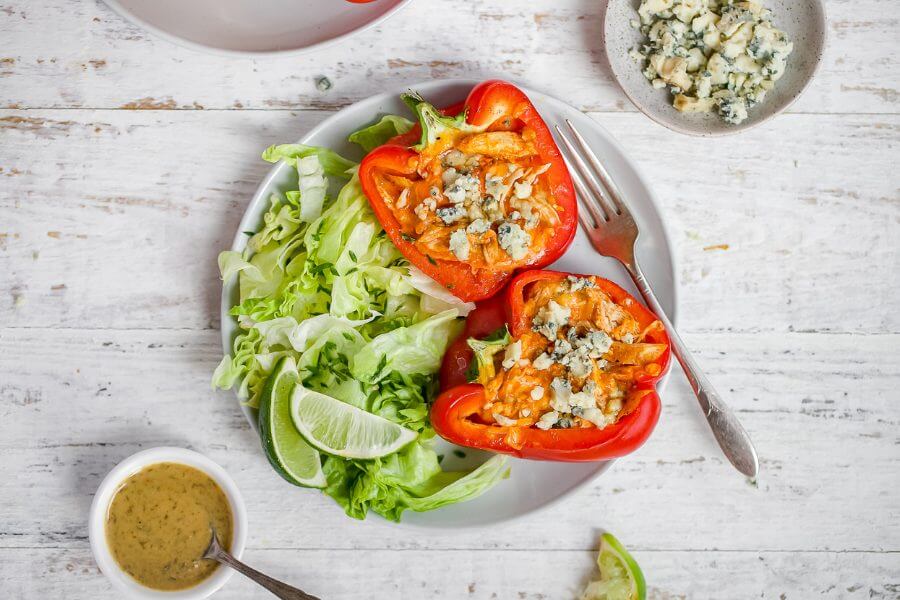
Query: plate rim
{"x":239,"y":243}
{"x":164,"y":35}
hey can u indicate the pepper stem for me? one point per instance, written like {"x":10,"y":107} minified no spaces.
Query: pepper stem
{"x":432,"y":122}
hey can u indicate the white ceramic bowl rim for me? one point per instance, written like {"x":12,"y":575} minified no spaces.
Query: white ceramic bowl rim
{"x":97,"y":521}
{"x":687,"y":127}
{"x":126,"y":14}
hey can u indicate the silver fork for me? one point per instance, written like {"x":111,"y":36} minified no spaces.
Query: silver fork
{"x":613,"y":232}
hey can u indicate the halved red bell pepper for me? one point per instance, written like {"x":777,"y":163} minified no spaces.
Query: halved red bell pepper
{"x":454,"y":414}
{"x":492,"y":106}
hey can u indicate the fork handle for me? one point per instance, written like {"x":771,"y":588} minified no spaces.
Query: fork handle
{"x":730,"y":434}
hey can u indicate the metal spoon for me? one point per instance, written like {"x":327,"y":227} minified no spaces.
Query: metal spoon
{"x":284,"y":591}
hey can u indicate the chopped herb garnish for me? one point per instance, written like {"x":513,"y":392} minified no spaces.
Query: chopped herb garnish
{"x":317,"y":235}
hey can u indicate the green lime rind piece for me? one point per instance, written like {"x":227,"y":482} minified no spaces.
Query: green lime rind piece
{"x":340,"y":429}
{"x":288,"y":452}
{"x":620,"y":576}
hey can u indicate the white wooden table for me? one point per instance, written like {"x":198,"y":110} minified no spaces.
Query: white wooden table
{"x":125,"y":165}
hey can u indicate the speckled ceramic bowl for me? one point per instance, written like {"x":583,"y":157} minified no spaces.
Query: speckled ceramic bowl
{"x":802,"y":20}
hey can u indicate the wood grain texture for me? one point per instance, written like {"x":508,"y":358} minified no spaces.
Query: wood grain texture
{"x":126,"y":164}
{"x":489,"y":575}
{"x":74,"y":54}
{"x":115,"y":218}
{"x":821,"y":408}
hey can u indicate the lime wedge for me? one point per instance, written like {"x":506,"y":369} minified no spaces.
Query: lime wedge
{"x":620,"y":575}
{"x":340,"y":429}
{"x":290,"y":455}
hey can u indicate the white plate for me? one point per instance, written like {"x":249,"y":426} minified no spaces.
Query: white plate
{"x":532,"y":484}
{"x":802,"y":20}
{"x":254,"y":27}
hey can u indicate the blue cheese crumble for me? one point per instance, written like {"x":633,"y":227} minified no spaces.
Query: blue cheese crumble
{"x":512,"y":355}
{"x":459,"y":244}
{"x":721,"y":55}
{"x":550,"y":318}
{"x":478,"y":226}
{"x":451,"y":214}
{"x":576,"y":284}
{"x":513,"y":239}
{"x":547,"y":420}
{"x":506,"y":202}
{"x":543,"y":362}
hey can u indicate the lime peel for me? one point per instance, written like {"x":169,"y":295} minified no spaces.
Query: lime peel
{"x":620,"y":576}
{"x":289,"y":454}
{"x":340,"y":429}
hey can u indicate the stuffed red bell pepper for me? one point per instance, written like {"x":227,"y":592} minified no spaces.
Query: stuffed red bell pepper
{"x":559,"y":367}
{"x":474,"y":192}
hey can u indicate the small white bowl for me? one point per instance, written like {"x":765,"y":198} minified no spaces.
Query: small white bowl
{"x":802,"y":20}
{"x":104,"y":495}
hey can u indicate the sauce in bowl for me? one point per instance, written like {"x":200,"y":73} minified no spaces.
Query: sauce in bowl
{"x":158,"y":525}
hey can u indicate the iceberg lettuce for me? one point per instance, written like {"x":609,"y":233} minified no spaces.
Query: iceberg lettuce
{"x":375,"y":135}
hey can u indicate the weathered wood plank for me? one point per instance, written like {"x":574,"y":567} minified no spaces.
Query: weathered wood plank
{"x":114,"y":218}
{"x":98,"y":60}
{"x":821,"y":408}
{"x":110,"y":221}
{"x":488,"y":575}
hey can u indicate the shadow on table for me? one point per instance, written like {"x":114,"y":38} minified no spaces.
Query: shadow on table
{"x":90,"y":462}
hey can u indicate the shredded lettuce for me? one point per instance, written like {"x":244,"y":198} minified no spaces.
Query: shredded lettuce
{"x":436,"y":297}
{"x":375,"y":135}
{"x":321,"y":282}
{"x":333,"y":163}
{"x":410,"y":479}
{"x":407,"y":350}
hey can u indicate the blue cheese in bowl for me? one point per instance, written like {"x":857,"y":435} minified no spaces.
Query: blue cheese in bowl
{"x":721,"y":55}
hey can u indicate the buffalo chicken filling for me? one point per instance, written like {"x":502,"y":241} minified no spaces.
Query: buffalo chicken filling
{"x":576,"y":367}
{"x":477,"y":198}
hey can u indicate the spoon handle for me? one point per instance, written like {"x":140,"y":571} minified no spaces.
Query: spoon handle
{"x":280,"y":589}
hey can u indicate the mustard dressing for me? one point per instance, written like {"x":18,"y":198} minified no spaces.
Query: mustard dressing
{"x":158,"y":525}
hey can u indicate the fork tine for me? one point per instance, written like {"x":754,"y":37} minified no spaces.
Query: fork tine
{"x":600,"y":172}
{"x":598,"y":213}
{"x":586,"y":222}
{"x":596,"y":194}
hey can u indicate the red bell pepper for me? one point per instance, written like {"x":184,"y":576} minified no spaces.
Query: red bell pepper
{"x":413,"y":158}
{"x":455,"y":413}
